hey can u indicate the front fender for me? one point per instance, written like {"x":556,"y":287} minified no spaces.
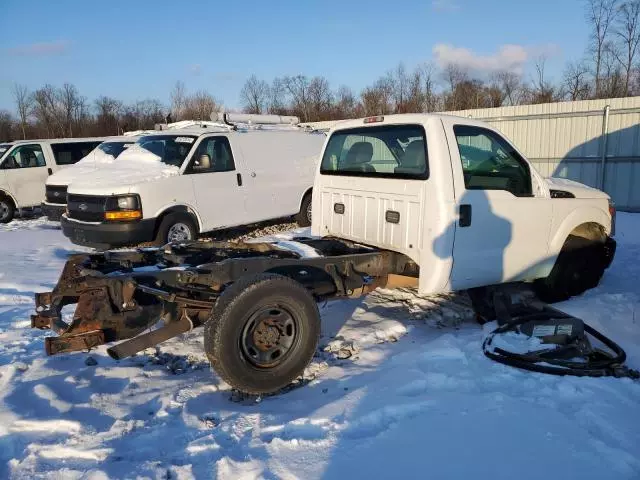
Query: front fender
{"x":574,"y":219}
{"x":182,"y":207}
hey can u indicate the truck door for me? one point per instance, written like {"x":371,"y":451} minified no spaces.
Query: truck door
{"x":503,"y":225}
{"x":26,"y":173}
{"x":217,"y":184}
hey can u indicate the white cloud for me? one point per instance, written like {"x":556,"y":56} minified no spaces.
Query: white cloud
{"x":40,"y":49}
{"x":508,"y":57}
{"x":445,"y":6}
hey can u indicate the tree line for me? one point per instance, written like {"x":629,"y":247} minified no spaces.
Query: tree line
{"x":609,"y":68}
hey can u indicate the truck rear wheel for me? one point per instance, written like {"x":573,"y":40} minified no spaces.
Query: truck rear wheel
{"x":579,"y":267}
{"x":303,"y":218}
{"x":262,"y":333}
{"x":7,"y":209}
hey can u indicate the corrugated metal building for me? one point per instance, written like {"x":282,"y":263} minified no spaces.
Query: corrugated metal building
{"x":596,"y":142}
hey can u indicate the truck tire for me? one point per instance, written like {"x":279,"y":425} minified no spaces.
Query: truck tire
{"x":7,"y":209}
{"x":176,"y":227}
{"x":262,"y":333}
{"x":303,"y":218}
{"x":579,"y":267}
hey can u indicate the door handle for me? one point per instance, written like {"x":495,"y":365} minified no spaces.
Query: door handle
{"x":49,"y":171}
{"x":465,"y":215}
{"x":239,"y":178}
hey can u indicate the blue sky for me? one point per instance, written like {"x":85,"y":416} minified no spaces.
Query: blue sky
{"x":139,"y":49}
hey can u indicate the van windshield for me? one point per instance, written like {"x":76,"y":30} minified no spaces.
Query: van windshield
{"x":172,"y":149}
{"x":114,"y":148}
{"x":397,"y":151}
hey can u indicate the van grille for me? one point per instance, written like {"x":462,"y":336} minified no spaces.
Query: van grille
{"x":86,"y":208}
{"x":56,"y":194}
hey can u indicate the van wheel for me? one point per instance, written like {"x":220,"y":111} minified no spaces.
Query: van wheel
{"x":262,"y":333}
{"x":7,"y":209}
{"x":176,"y":228}
{"x":303,"y":218}
{"x":579,"y":267}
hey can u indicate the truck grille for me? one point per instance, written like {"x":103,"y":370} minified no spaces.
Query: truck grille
{"x":56,"y":194}
{"x":86,"y":208}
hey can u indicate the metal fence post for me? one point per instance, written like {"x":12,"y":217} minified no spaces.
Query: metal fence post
{"x":603,"y":143}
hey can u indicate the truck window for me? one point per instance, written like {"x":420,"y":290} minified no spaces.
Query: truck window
{"x":69,"y":153}
{"x":25,"y":156}
{"x":212,"y":155}
{"x":489,"y":162}
{"x":397,"y":151}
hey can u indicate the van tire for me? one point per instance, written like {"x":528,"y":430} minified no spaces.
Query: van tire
{"x":303,"y":218}
{"x":255,"y":318}
{"x":7,"y":209}
{"x":176,"y":223}
{"x":579,"y":267}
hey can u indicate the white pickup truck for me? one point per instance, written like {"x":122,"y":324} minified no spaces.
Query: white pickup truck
{"x":433,"y":201}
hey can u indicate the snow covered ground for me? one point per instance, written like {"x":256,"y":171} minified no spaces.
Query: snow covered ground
{"x":400,"y":390}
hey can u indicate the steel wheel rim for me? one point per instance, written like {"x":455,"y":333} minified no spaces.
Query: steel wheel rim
{"x":269,"y":336}
{"x":179,"y":232}
{"x":4,"y":210}
{"x":309,"y":212}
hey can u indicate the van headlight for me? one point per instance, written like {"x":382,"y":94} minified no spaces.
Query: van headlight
{"x":123,"y":207}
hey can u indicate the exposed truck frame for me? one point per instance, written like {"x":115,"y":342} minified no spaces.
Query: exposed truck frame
{"x":122,"y":294}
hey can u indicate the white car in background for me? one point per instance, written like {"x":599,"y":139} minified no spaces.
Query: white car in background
{"x":55,"y":203}
{"x":26,"y":164}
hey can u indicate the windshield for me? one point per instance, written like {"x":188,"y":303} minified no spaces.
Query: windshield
{"x":114,"y":148}
{"x":172,"y":149}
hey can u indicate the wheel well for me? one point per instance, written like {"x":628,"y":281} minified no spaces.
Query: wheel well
{"x":186,"y":211}
{"x":589,"y":231}
{"x":306,"y":194}
{"x":4,"y":194}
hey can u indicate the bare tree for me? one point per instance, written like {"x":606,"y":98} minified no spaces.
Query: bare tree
{"x":453,"y":76}
{"x":200,"y":105}
{"x":298,"y":89}
{"x":575,"y":81}
{"x":277,"y":98}
{"x":627,"y":32}
{"x":255,"y":95}
{"x":6,"y":126}
{"x":542,"y":91}
{"x":345,"y":105}
{"x":24,"y":103}
{"x":510,"y":83}
{"x":178,"y":100}
{"x":320,"y":99}
{"x":428,"y":88}
{"x":600,"y":15}
{"x":109,"y":111}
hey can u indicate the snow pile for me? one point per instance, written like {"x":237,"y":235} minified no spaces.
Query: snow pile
{"x":134,"y":165}
{"x":399,"y":388}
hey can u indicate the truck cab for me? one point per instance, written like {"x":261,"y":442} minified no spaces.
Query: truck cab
{"x":453,"y":195}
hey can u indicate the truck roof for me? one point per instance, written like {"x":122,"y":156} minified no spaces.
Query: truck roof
{"x":401,"y":118}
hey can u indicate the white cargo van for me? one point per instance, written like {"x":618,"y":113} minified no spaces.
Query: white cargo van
{"x":25,"y":166}
{"x":55,"y":203}
{"x":173,"y":185}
